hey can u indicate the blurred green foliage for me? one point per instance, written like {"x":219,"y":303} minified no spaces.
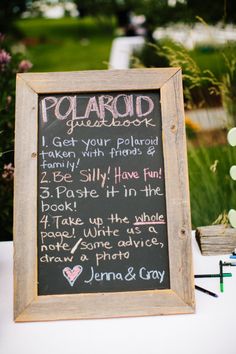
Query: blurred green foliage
{"x":209,"y":72}
{"x":212,"y":190}
{"x":160,"y":13}
{"x":10,"y":10}
{"x":10,"y":64}
{"x":157,"y":12}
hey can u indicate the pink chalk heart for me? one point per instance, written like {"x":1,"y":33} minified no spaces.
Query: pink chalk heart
{"x":72,"y":274}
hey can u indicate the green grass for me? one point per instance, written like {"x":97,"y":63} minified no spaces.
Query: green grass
{"x":67,"y":44}
{"x":212,"y":58}
{"x":211,"y":192}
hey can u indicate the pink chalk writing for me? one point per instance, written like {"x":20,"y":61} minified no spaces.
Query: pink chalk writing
{"x":150,"y":223}
{"x":141,"y":105}
{"x":72,"y":274}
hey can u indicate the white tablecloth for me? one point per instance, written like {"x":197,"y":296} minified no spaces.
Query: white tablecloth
{"x":211,"y":330}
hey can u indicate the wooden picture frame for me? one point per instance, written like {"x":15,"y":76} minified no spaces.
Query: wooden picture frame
{"x":28,"y":306}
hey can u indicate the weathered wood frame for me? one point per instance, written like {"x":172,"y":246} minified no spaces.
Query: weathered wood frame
{"x":28,"y":306}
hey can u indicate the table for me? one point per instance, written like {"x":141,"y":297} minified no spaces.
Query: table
{"x":210,"y":330}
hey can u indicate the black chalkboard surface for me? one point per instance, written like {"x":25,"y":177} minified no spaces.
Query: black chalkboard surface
{"x":102,"y":223}
{"x":101,"y":200}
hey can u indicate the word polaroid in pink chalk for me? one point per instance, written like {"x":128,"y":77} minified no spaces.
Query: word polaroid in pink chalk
{"x":72,"y":274}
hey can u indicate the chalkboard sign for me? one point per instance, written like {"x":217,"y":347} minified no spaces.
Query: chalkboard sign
{"x":102,"y":221}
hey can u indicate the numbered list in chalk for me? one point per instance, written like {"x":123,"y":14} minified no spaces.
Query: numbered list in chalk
{"x":102,"y":222}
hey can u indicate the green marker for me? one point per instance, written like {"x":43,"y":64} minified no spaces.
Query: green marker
{"x":221,"y":277}
{"x":225,"y":275}
{"x":222,"y":287}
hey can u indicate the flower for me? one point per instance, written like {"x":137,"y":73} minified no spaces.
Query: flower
{"x":24,"y":66}
{"x":8,"y":172}
{"x":192,"y":125}
{"x":4,"y":59}
{"x":192,"y":128}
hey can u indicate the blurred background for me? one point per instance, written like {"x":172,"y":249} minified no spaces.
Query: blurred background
{"x":199,"y":36}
